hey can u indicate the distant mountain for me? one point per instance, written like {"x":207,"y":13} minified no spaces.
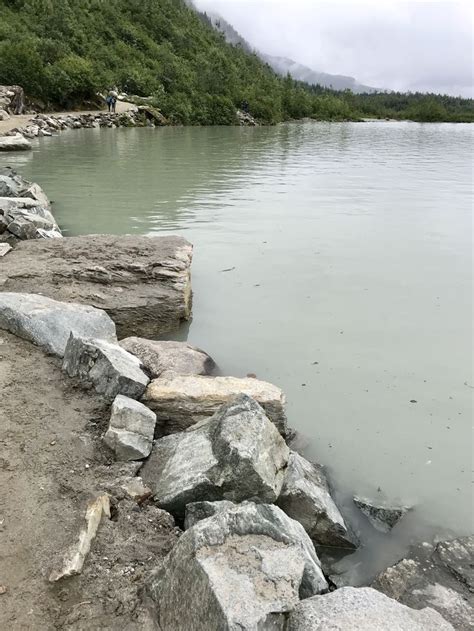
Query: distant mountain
{"x":283,"y":65}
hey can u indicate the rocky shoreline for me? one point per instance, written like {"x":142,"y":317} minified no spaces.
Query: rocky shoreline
{"x":197,"y":469}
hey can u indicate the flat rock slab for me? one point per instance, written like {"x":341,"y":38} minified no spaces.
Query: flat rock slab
{"x":439,"y":576}
{"x":49,"y":323}
{"x":305,"y":497}
{"x":236,"y":455}
{"x":361,"y":609}
{"x":106,"y":367}
{"x":244,"y":568}
{"x":158,"y":357}
{"x":131,"y":429}
{"x":142,"y":282}
{"x":14,"y":143}
{"x":180,"y":401}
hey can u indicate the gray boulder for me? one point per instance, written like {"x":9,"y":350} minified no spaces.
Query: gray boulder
{"x":236,"y":455}
{"x":179,"y":401}
{"x":105,"y":366}
{"x":49,"y":323}
{"x":14,"y":143}
{"x":361,"y":609}
{"x":158,"y":357}
{"x":439,"y":576}
{"x":382,"y":516}
{"x":197,"y":511}
{"x":305,"y":497}
{"x":143,"y":283}
{"x":240,"y":570}
{"x":131,"y":429}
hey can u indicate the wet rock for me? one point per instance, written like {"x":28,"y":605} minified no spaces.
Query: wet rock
{"x":243,"y":568}
{"x":14,"y":143}
{"x":237,"y":454}
{"x":305,"y":497}
{"x":381,"y":516}
{"x":131,"y":429}
{"x":439,"y":576}
{"x":107,"y":367}
{"x":180,"y":401}
{"x":361,"y":609}
{"x":49,"y":323}
{"x":158,"y":357}
{"x":197,"y":511}
{"x":142,"y":282}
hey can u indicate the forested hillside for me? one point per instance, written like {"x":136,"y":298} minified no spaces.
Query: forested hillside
{"x":65,"y":51}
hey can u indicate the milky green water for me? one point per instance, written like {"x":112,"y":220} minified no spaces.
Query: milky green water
{"x":349,"y":283}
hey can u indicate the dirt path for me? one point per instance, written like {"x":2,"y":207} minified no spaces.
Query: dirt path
{"x":22,"y":120}
{"x":52,"y":463}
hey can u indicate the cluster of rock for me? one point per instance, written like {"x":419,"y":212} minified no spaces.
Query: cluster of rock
{"x":12,"y":101}
{"x":49,"y":124}
{"x":25,"y":212}
{"x":245,"y":119}
{"x":211,"y":451}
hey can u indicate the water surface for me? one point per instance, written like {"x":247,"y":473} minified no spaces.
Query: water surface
{"x":332,"y":259}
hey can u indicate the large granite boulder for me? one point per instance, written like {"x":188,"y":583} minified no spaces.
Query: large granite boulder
{"x":361,"y":609}
{"x":439,"y":576}
{"x":49,"y":323}
{"x":142,"y":282}
{"x":14,"y":143}
{"x":14,"y":185}
{"x":105,"y":366}
{"x":241,"y":569}
{"x":237,"y":454}
{"x":131,"y":429}
{"x":305,"y":497}
{"x":179,"y":401}
{"x":158,"y":357}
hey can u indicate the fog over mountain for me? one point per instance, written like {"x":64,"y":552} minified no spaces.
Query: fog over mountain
{"x":390,"y":44}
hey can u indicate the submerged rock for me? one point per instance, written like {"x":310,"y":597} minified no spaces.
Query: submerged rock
{"x":180,"y":401}
{"x":439,"y":576}
{"x":49,"y":323}
{"x":305,"y":497}
{"x":142,"y":282}
{"x":237,"y":454}
{"x":131,"y":429}
{"x":158,"y":357}
{"x":243,"y":568}
{"x":361,"y":609}
{"x":105,"y":366}
{"x":382,"y":517}
{"x":14,"y":143}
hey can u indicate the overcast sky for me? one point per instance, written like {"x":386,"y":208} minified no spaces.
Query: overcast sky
{"x":393,"y":44}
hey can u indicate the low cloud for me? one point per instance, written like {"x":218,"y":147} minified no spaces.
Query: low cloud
{"x":418,"y":45}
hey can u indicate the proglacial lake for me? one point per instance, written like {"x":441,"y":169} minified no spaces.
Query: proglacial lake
{"x":334,"y":260}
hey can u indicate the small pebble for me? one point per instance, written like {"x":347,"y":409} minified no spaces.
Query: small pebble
{"x":3,"y":589}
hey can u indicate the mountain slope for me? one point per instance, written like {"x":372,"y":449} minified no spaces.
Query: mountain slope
{"x":284,"y":66}
{"x":63,"y":52}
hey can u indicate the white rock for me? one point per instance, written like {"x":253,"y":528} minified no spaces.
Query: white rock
{"x":14,"y":143}
{"x":131,"y":429}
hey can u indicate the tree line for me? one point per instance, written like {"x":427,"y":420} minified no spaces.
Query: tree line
{"x":63,"y":52}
